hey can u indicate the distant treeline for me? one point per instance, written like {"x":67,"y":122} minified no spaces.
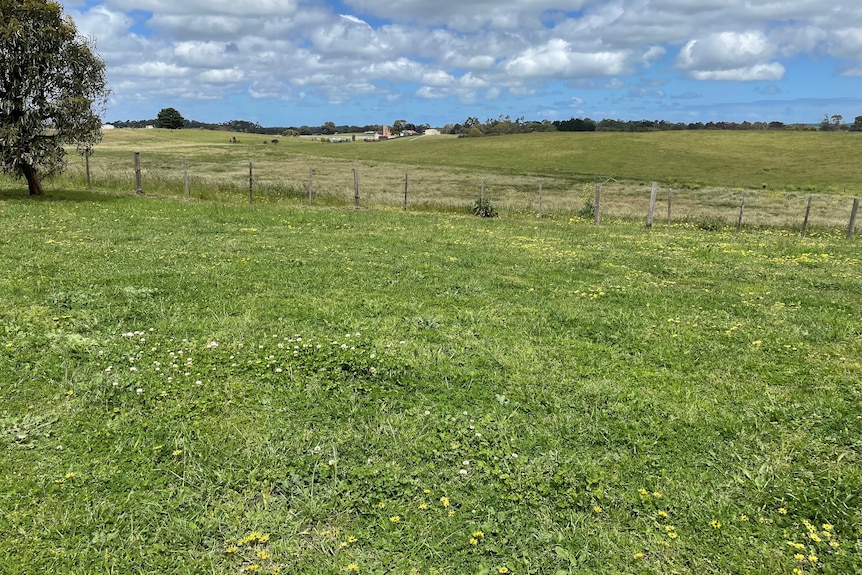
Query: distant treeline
{"x":253,"y":127}
{"x":502,"y":125}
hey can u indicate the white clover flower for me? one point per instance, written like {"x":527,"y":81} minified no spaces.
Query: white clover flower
{"x":139,"y":391}
{"x":463,"y":472}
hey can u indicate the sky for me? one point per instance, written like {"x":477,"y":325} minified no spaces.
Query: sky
{"x":435,"y":62}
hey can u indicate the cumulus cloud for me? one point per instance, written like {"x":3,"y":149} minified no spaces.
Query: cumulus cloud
{"x":469,"y":51}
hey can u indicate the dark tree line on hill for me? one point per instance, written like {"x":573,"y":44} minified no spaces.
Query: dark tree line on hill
{"x":503,"y":125}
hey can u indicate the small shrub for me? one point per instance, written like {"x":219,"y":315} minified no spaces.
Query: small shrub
{"x":588,"y":210}
{"x":484,"y":209}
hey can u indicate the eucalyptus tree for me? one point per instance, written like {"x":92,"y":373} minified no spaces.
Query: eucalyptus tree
{"x":52,"y":90}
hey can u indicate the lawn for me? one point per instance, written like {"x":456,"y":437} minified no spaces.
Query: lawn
{"x":212,"y":387}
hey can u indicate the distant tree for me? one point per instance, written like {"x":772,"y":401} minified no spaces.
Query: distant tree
{"x":776,"y":125}
{"x":52,"y":88}
{"x":290,"y":133}
{"x":170,"y":118}
{"x":328,"y":128}
{"x":399,"y":126}
{"x":856,"y":126}
{"x":305,"y":131}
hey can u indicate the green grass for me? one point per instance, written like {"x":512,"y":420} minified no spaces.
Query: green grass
{"x":205,"y":387}
{"x":707,"y":171}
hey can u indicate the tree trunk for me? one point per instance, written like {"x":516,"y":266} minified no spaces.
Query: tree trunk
{"x":33,"y":182}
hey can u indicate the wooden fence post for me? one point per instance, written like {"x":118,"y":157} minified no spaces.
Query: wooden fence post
{"x":405,"y":192}
{"x":669,"y":201}
{"x":540,"y":201}
{"x":87,"y":154}
{"x":741,"y":212}
{"x":852,"y":227}
{"x":356,"y":187}
{"x":250,"y":183}
{"x":186,"y":176}
{"x":139,"y":186}
{"x":805,"y":220}
{"x":597,"y":205}
{"x":652,"y":198}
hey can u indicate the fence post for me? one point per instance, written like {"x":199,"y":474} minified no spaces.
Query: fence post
{"x":87,"y":165}
{"x":250,"y":183}
{"x":405,"y":192}
{"x":741,"y":212}
{"x":852,"y":227}
{"x":805,"y":220}
{"x":356,"y":187}
{"x":139,"y":186}
{"x":540,"y":201}
{"x":186,"y":176}
{"x":597,"y":205}
{"x":669,"y":201}
{"x":652,"y":198}
{"x":310,"y":188}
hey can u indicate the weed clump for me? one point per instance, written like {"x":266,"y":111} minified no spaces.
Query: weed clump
{"x":484,"y":209}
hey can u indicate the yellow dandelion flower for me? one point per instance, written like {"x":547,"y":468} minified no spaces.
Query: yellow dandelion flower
{"x":812,"y":558}
{"x":834,"y":544}
{"x":814,"y":537}
{"x":669,"y":528}
{"x":445,"y":501}
{"x":598,"y":509}
{"x":426,"y":491}
{"x":451,"y":512}
{"x":177,"y":452}
{"x":381,"y":505}
{"x":423,"y":506}
{"x":70,"y":475}
{"x":395,"y":518}
{"x":656,"y":494}
{"x":827,"y":527}
{"x":782,"y":510}
{"x":799,"y":557}
{"x":252,"y":567}
{"x":639,"y":555}
{"x":474,"y":541}
{"x":673,"y":535}
{"x":715,"y":524}
{"x":643,"y":491}
{"x":343,"y":544}
{"x":351,"y":539}
{"x":797,"y":571}
{"x":231,"y":549}
{"x":478,"y":534}
{"x":352,"y":567}
{"x":263,"y":555}
{"x":662,"y":514}
{"x":503,"y":569}
{"x":743,"y":517}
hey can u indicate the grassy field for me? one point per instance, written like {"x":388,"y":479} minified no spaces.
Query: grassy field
{"x":707,"y":172}
{"x":212,"y":387}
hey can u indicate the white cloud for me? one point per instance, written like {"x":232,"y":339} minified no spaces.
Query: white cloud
{"x":556,"y":59}
{"x":730,"y":56}
{"x":762,"y":72}
{"x":467,"y":50}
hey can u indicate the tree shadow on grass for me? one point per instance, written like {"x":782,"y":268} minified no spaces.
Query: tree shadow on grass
{"x":11,"y":193}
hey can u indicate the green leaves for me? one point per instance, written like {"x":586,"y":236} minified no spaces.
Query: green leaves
{"x":53,"y":88}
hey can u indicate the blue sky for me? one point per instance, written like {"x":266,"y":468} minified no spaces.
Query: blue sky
{"x":306,"y":62}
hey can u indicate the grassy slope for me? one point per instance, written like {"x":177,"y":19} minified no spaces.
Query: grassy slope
{"x":608,"y":392}
{"x":714,"y":158}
